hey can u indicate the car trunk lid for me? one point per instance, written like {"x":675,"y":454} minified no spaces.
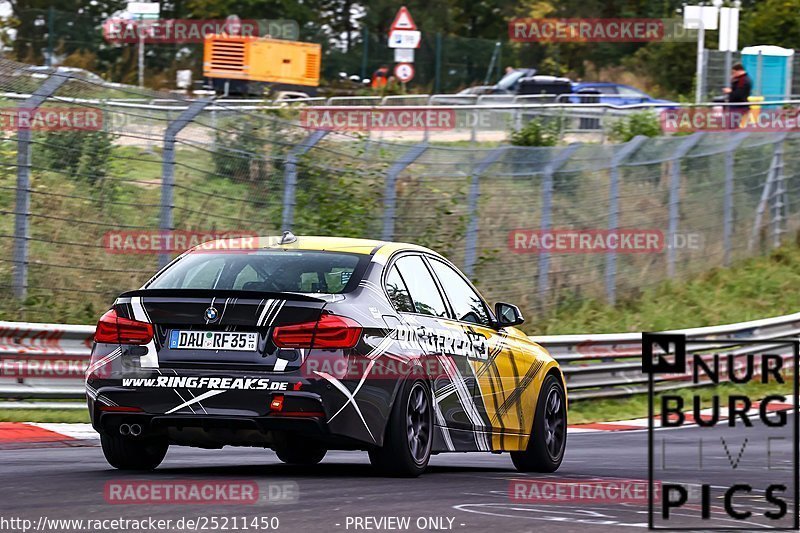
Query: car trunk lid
{"x":218,"y":329}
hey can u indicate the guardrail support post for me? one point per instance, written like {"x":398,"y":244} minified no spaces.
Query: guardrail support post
{"x":727,"y":202}
{"x":168,"y":168}
{"x":613,"y":211}
{"x":390,"y":191}
{"x":22,"y":228}
{"x":290,"y":175}
{"x":473,"y":134}
{"x":471,"y":248}
{"x":547,"y":206}
{"x":675,"y":198}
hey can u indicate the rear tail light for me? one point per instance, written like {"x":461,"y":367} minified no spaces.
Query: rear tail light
{"x":115,"y":329}
{"x":329,"y":332}
{"x":120,"y":409}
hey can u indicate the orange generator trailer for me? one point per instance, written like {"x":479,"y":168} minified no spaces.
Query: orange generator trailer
{"x":259,"y":59}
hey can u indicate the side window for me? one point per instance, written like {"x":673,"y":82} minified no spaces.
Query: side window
{"x":423,"y":290}
{"x":398,"y":292}
{"x":466,"y":303}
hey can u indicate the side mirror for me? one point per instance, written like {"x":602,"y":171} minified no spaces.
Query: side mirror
{"x":508,"y":314}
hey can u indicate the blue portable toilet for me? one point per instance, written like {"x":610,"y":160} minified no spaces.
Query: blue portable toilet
{"x":770,"y":68}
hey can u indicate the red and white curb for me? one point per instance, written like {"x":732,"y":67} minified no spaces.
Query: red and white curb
{"x":689,"y":421}
{"x":35,"y":434}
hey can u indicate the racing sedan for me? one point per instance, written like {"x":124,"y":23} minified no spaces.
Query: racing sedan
{"x":307,"y":344}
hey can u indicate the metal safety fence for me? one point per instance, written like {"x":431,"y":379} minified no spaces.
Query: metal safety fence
{"x":72,"y":199}
{"x":49,"y":360}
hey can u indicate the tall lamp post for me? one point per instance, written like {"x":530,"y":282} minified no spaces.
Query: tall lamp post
{"x":701,"y":18}
{"x":729,"y":32}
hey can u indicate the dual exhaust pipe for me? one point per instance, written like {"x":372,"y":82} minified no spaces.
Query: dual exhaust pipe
{"x":133,"y":430}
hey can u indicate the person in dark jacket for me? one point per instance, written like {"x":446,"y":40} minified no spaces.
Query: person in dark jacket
{"x":738,"y":93}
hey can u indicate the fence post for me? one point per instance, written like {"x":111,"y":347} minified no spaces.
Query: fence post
{"x":618,"y":159}
{"x":675,"y":198}
{"x":471,"y":248}
{"x":779,"y":196}
{"x":23,"y":203}
{"x":168,"y":168}
{"x":390,"y":191}
{"x":290,"y":175}
{"x":727,"y":203}
{"x":547,"y":206}
{"x":775,"y":170}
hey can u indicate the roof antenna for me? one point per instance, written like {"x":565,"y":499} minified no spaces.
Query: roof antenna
{"x":287,"y":238}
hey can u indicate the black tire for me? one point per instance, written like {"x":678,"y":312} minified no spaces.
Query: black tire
{"x":126,"y":453}
{"x":408,"y":440}
{"x":299,"y":451}
{"x":548,"y":438}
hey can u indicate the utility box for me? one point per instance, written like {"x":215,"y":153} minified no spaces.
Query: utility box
{"x":770,"y":68}
{"x":247,"y":58}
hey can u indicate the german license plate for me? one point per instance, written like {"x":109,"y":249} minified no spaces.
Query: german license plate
{"x":212,"y":340}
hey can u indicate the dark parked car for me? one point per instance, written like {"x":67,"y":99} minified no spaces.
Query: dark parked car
{"x":614,"y":93}
{"x":508,"y":84}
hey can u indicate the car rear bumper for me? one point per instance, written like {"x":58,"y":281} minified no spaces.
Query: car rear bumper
{"x":216,"y":431}
{"x":324,"y":409}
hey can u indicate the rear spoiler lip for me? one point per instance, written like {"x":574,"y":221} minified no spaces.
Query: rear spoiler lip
{"x":221,"y":293}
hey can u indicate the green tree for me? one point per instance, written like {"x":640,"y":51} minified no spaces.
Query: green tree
{"x":772,"y":22}
{"x":77,"y":26}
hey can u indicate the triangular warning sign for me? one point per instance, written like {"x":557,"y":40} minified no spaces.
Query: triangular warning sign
{"x":403,"y":20}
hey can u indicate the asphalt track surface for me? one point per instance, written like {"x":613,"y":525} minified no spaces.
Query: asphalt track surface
{"x":470,"y":492}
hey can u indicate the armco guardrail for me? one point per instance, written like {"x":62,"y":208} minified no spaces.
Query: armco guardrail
{"x":607,"y":365}
{"x":49,"y":360}
{"x":43,"y":360}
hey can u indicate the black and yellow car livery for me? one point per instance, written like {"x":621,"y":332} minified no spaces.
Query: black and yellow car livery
{"x":305,"y":344}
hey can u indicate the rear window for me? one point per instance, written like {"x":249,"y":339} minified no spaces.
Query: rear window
{"x":266,"y":271}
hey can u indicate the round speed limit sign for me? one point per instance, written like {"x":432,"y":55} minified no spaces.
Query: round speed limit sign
{"x":404,"y":72}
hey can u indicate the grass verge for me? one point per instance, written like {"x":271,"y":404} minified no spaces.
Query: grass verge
{"x":755,"y":288}
{"x":44,"y":415}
